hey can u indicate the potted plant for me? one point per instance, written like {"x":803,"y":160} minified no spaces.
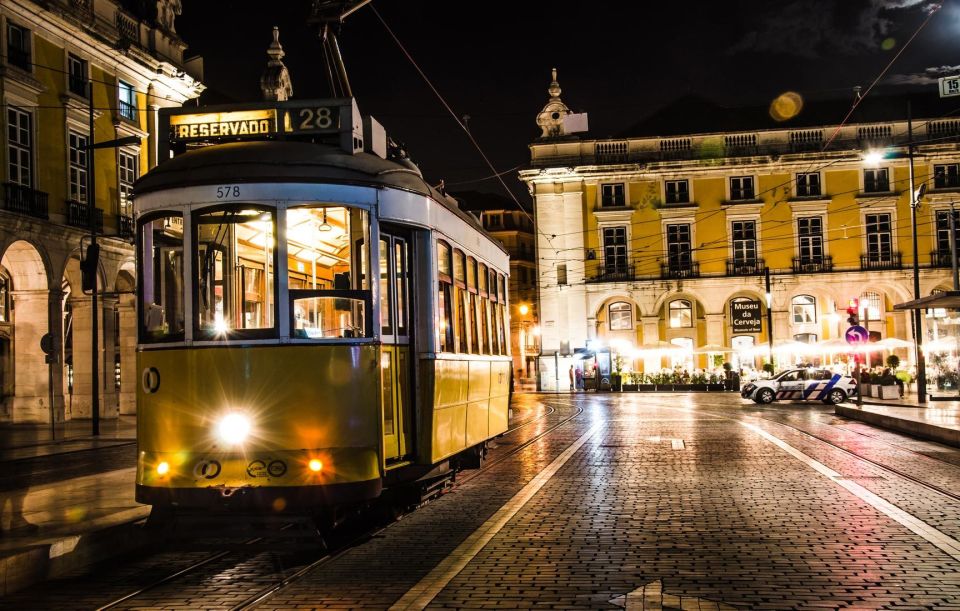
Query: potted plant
{"x":647,"y":382}
{"x":866,"y":384}
{"x":615,"y":377}
{"x":698,"y":381}
{"x":888,"y":388}
{"x":630,"y":381}
{"x":715,"y":383}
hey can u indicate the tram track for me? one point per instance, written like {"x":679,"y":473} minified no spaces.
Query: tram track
{"x":265,"y":593}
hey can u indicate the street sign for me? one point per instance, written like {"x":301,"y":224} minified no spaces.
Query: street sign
{"x":857,"y":335}
{"x":949,"y":86}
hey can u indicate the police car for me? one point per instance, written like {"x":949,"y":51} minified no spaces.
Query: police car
{"x":802,"y":385}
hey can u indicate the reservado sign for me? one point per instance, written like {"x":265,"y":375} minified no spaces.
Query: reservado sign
{"x":237,"y":123}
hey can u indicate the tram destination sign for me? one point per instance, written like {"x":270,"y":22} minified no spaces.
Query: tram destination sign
{"x":745,"y":316}
{"x":261,"y":121}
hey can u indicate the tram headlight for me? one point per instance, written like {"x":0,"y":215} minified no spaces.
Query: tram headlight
{"x":315,"y":465}
{"x":233,"y":428}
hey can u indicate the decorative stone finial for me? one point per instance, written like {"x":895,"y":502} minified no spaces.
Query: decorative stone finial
{"x":551,"y":117}
{"x":275,"y":82}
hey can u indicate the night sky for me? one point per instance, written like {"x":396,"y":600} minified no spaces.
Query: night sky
{"x":617,"y":61}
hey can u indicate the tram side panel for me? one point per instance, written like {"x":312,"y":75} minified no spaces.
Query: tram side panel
{"x":465,"y":403}
{"x":303,"y":403}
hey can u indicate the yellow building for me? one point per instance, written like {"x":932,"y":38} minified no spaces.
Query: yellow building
{"x":52,"y":53}
{"x":665,"y":240}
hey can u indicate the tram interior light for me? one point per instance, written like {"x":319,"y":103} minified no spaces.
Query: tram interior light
{"x":163,"y":468}
{"x":220,"y":326}
{"x":234,"y":428}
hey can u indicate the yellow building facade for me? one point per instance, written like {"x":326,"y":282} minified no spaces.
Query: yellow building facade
{"x":666,"y":242}
{"x":54,"y":52}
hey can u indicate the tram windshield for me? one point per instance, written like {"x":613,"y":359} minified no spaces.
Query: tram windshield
{"x":328,"y":289}
{"x":234,"y":269}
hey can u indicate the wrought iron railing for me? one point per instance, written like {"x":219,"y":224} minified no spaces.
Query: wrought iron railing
{"x":24,"y":200}
{"x":810,"y":265}
{"x":685,"y":269}
{"x":78,"y":215}
{"x":746,"y":267}
{"x":881,"y":260}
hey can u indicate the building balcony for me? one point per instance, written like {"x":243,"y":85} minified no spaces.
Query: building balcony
{"x":78,"y":215}
{"x":940,"y":258}
{"x":24,"y":200}
{"x":620,"y":272}
{"x":878,"y":261}
{"x":125,"y":226}
{"x":678,"y":270}
{"x":746,"y":267}
{"x":812,"y":265}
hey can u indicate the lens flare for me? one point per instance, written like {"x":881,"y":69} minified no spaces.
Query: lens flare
{"x":786,"y":106}
{"x":163,"y":468}
{"x":234,"y":428}
{"x":315,"y":465}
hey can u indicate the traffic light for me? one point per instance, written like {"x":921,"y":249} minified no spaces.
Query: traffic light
{"x":88,"y":269}
{"x":853,"y":312}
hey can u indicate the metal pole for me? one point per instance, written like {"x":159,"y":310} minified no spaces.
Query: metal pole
{"x":95,"y":319}
{"x":917,"y":320}
{"x":953,"y":248}
{"x":769,"y":314}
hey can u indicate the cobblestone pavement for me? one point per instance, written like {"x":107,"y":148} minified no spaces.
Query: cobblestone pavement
{"x":674,"y":493}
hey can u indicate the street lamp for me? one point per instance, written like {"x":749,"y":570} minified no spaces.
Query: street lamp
{"x":915,"y":195}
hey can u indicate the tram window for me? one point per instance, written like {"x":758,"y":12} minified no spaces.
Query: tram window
{"x":325,"y":259}
{"x":483,"y":276}
{"x":400,"y":267}
{"x":161,"y":279}
{"x":385,"y":327}
{"x":444,"y":299}
{"x":462,"y":302}
{"x":235,"y":270}
{"x":473,"y":320}
{"x":502,"y":321}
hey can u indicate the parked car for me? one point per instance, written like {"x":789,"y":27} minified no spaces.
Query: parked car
{"x":802,"y":385}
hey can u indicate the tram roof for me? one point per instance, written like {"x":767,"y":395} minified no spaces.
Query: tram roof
{"x":294,"y":162}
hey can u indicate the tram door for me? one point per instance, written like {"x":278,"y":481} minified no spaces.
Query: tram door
{"x":396,"y":324}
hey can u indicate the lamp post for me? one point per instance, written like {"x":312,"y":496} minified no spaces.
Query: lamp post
{"x":915,"y":195}
{"x":90,"y":264}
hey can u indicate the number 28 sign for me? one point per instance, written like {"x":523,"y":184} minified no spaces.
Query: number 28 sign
{"x":312,"y":119}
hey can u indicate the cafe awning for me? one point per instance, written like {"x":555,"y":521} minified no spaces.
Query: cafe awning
{"x":949,"y":300}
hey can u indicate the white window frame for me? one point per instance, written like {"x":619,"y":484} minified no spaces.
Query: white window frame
{"x":823,"y":233}
{"x":753,"y":181}
{"x":31,"y":44}
{"x":863,"y":180}
{"x":133,"y":95}
{"x":600,"y":189}
{"x":77,"y":178}
{"x":731,"y":219}
{"x":796,"y":185}
{"x":933,"y":175}
{"x":892,"y":211}
{"x":30,"y":150}
{"x":69,"y":55}
{"x":601,"y":251}
{"x":690,"y":199}
{"x":793,"y":310}
{"x":125,"y":183}
{"x":689,"y":303}
{"x":628,"y":310}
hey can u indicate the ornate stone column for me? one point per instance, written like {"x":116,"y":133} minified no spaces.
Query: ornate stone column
{"x":31,"y":401}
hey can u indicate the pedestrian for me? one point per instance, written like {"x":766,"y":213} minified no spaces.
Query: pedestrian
{"x":579,"y":375}
{"x":571,"y":377}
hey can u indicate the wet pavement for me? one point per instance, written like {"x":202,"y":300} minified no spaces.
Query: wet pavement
{"x":606,"y":501}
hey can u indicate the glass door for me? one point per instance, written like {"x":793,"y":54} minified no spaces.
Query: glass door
{"x":396,"y":323}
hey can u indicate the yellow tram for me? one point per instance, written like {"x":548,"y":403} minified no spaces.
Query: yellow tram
{"x":316,"y":322}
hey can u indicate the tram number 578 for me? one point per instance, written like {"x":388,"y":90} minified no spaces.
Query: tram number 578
{"x":228,"y":191}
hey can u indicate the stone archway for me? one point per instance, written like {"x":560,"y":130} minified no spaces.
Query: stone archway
{"x":29,"y":395}
{"x":78,"y":368}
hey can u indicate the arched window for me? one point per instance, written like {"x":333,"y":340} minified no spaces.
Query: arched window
{"x":804,"y":309}
{"x":621,"y":316}
{"x":871,"y":306}
{"x":681,"y":314}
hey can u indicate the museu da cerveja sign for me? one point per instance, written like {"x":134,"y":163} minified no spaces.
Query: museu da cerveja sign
{"x":745,"y":316}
